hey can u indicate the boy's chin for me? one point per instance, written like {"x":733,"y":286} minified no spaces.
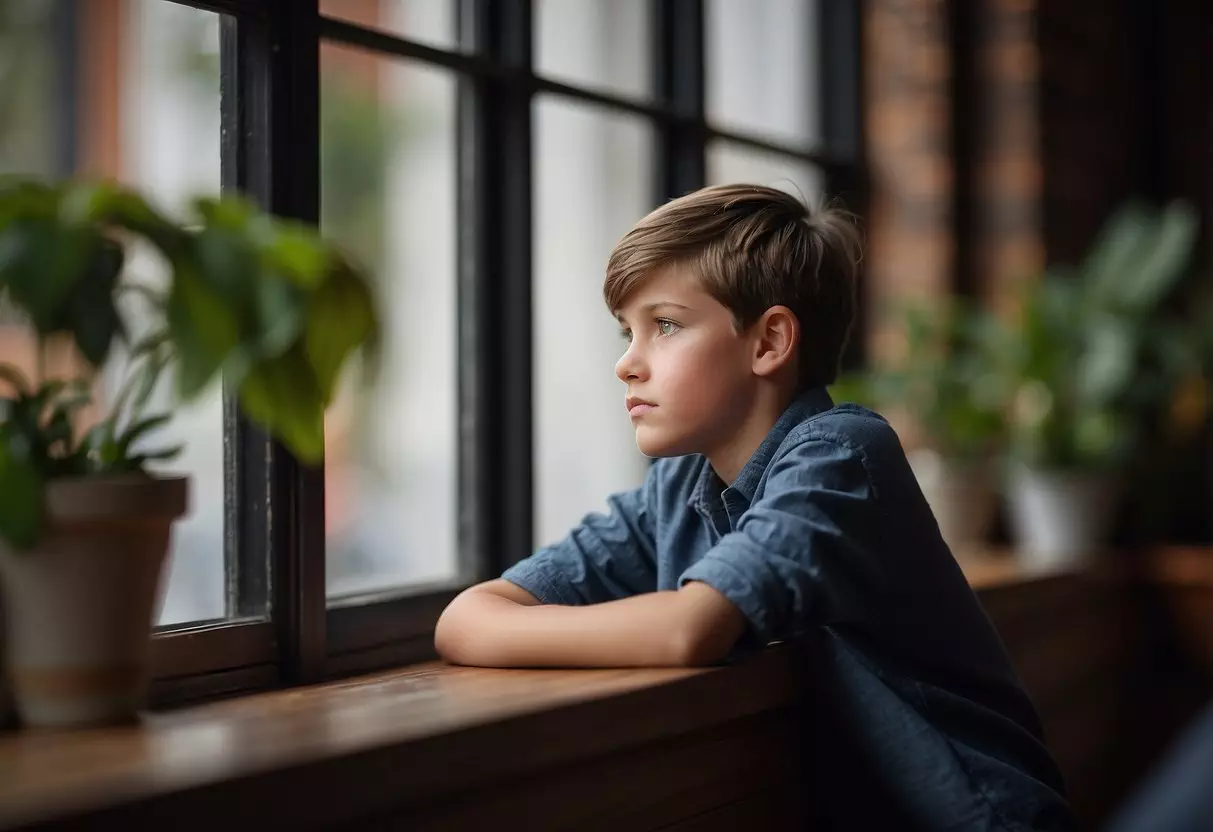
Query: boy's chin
{"x":656,"y":443}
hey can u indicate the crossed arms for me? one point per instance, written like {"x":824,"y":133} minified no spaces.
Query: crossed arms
{"x":498,"y":624}
{"x":804,"y":552}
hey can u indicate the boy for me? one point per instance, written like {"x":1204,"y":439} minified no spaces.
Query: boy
{"x":773,"y":515}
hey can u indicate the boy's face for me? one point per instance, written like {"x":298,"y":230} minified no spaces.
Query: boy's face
{"x":686,"y":367}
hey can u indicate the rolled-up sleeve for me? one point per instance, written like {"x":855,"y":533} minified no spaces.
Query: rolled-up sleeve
{"x":803,"y":553}
{"x":605,"y":557}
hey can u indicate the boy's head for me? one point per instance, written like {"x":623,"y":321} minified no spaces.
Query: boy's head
{"x":726,"y":295}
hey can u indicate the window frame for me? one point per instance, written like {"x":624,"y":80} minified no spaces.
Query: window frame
{"x":285,"y":631}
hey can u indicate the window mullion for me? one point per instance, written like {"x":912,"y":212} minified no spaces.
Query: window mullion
{"x":271,"y":152}
{"x":678,"y":62}
{"x":838,"y":29}
{"x":495,"y":326}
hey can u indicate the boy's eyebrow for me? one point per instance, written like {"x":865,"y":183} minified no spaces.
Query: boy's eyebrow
{"x":653,"y":307}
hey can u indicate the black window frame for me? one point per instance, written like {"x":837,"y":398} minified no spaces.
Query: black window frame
{"x":283,"y":629}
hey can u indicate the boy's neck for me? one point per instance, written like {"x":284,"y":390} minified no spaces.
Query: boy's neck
{"x":729,"y":460}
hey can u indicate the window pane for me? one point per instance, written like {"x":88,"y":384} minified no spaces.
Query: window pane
{"x":762,"y":68}
{"x":730,"y":163}
{"x":431,"y":22}
{"x":592,"y":182}
{"x":388,"y":193}
{"x":595,"y":44}
{"x":145,"y":113}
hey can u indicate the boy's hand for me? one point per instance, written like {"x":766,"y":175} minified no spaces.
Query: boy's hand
{"x":498,"y":624}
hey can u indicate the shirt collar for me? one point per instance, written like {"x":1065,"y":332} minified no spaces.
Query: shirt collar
{"x":708,"y":488}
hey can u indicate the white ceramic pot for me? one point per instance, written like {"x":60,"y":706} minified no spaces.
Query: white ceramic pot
{"x":80,"y":605}
{"x":961,"y":496}
{"x":1058,"y":518}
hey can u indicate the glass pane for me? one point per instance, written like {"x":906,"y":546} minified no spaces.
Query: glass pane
{"x":595,"y":44}
{"x":388,"y":192}
{"x":592,"y":183}
{"x":762,"y":68}
{"x":431,"y":22}
{"x":146,"y":113}
{"x":730,"y":163}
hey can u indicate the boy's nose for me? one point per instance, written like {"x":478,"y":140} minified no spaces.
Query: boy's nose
{"x":629,"y":367}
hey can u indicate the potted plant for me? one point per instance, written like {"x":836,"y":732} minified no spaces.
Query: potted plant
{"x":946,"y":386}
{"x":84,"y":527}
{"x":1094,"y":358}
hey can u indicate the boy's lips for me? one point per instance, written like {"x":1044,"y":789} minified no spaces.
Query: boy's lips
{"x":637,"y":407}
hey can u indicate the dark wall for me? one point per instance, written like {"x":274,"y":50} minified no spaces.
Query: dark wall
{"x":1125,"y":109}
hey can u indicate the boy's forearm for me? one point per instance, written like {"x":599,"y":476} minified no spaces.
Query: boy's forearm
{"x":692,"y":626}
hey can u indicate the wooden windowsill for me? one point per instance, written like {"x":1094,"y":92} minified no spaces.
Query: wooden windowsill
{"x":370,"y":746}
{"x":315,"y":756}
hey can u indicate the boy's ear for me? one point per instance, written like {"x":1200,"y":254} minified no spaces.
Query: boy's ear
{"x":776,"y":340}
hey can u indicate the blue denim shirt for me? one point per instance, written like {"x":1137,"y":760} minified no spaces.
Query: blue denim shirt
{"x":917,"y":718}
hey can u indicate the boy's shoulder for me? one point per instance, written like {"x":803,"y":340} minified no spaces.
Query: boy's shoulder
{"x":858,"y":431}
{"x":863,"y":432}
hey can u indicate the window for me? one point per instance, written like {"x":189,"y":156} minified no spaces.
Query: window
{"x":481,"y":158}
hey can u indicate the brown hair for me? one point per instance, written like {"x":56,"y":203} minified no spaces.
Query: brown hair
{"x":753,"y":248}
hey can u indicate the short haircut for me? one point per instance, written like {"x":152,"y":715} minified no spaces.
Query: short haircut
{"x":752,"y":248}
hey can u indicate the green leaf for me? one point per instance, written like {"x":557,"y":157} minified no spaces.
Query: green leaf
{"x":1105,"y":270}
{"x":41,"y":263}
{"x":341,"y":318}
{"x":1161,"y":261}
{"x":162,"y":455}
{"x":1106,"y":367}
{"x":297,"y":253}
{"x":228,"y":212}
{"x":21,"y":507}
{"x":138,"y":429}
{"x":281,"y":395}
{"x":280,"y":311}
{"x":152,"y":369}
{"x":205,"y":331}
{"x":108,"y":204}
{"x":92,"y":316}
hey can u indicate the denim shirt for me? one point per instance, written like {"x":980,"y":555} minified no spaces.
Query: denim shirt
{"x":916,"y":717}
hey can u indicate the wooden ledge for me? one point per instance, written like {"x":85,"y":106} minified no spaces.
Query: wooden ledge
{"x":321,"y":755}
{"x":415,"y":742}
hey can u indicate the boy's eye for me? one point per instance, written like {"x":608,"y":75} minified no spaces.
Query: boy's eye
{"x":665,"y":327}
{"x":626,"y":334}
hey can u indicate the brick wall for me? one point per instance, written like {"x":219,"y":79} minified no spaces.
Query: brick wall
{"x":906,"y":111}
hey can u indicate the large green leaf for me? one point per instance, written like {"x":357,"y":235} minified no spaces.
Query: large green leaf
{"x":205,"y":330}
{"x":282,"y":396}
{"x":1106,"y":270}
{"x":228,"y":264}
{"x":1161,"y":261}
{"x":280,"y":314}
{"x":41,"y":264}
{"x":21,"y":509}
{"x":341,"y":317}
{"x":295,"y":251}
{"x":92,"y":317}
{"x":1107,"y":366}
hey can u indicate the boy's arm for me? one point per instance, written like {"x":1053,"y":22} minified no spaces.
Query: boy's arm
{"x":498,"y":624}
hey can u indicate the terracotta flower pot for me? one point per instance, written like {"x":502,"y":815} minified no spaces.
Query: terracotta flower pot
{"x":80,"y":605}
